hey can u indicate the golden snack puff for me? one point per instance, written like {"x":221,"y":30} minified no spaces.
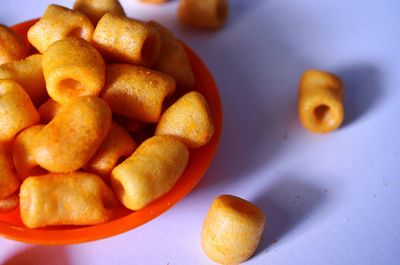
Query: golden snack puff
{"x":76,"y":198}
{"x":150,"y":172}
{"x":173,"y":59}
{"x":189,"y":120}
{"x":9,"y":182}
{"x":12,"y":46}
{"x":49,"y":110}
{"x":72,"y":67}
{"x":136,"y":92}
{"x":117,"y":144}
{"x":126,"y":40}
{"x":69,"y":141}
{"x":23,"y":152}
{"x":96,"y":9}
{"x":16,"y":110}
{"x":57,"y":23}
{"x":320,"y":102}
{"x":9,"y":203}
{"x":29,"y":74}
{"x":232,"y":230}
{"x":206,"y":14}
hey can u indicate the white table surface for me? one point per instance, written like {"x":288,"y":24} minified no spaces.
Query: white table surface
{"x":330,"y":199}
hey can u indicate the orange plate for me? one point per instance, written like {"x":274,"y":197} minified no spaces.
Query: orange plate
{"x":11,"y":226}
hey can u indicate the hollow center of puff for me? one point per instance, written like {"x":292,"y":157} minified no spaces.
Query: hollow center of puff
{"x":148,"y":49}
{"x":76,"y":32}
{"x":222,"y":10}
{"x":323,"y":115}
{"x":71,"y":87}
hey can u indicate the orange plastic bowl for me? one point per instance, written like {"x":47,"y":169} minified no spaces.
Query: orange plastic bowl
{"x":11,"y":225}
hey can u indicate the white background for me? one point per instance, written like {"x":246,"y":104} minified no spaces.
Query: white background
{"x":330,"y":199}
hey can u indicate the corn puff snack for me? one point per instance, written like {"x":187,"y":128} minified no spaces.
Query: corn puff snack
{"x":23,"y":152}
{"x":70,"y":140}
{"x":150,"y":172}
{"x":189,"y":120}
{"x":72,"y":67}
{"x":95,"y":9}
{"x":126,"y":40}
{"x":320,"y":102}
{"x":16,"y":110}
{"x":117,"y":144}
{"x":76,"y":198}
{"x":232,"y":230}
{"x":205,"y":14}
{"x":57,"y":23}
{"x":136,"y":92}
{"x":29,"y":74}
{"x":9,"y":182}
{"x":12,"y":47}
{"x":173,"y":59}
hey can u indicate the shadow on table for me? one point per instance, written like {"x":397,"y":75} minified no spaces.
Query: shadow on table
{"x":287,"y":203}
{"x":38,"y":255}
{"x":238,"y":10}
{"x":258,"y":87}
{"x":363,"y":90}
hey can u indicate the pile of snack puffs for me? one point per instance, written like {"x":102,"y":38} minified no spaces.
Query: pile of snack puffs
{"x":70,"y":113}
